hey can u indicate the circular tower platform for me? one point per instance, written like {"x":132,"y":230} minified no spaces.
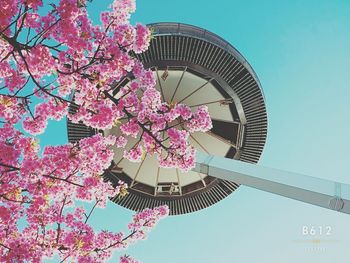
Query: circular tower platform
{"x":194,"y":67}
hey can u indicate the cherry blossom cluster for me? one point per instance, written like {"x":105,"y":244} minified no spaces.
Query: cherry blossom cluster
{"x":64,"y":53}
{"x":11,"y":109}
{"x":43,"y":189}
{"x":128,"y":259}
{"x":50,"y":109}
{"x":59,"y":64}
{"x":165,"y":128}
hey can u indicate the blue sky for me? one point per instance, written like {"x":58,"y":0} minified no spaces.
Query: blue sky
{"x":300,"y":52}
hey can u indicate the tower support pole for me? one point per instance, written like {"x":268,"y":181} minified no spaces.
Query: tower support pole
{"x":324,"y":193}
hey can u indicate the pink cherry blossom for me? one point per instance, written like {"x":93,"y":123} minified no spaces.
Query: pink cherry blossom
{"x":127,"y":259}
{"x":48,"y":185}
{"x":55,"y":63}
{"x":121,"y":142}
{"x":130,"y":128}
{"x":11,"y":109}
{"x":201,"y":120}
{"x":134,"y":154}
{"x":143,"y":36}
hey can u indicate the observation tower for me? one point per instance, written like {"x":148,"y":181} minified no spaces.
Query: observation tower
{"x":196,"y":67}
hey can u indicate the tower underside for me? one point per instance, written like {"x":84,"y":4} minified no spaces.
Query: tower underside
{"x":194,"y":67}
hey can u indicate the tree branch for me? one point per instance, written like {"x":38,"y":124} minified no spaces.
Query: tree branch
{"x":92,"y":209}
{"x":10,"y":166}
{"x":59,"y":224}
{"x":62,"y":179}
